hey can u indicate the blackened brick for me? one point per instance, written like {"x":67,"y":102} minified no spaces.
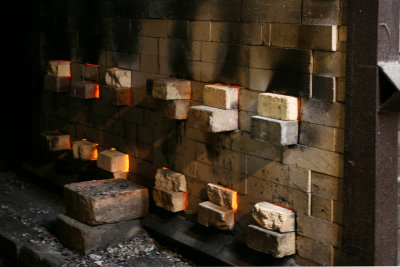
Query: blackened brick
{"x":283,"y":11}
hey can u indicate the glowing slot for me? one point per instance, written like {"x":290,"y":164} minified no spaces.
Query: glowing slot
{"x":93,"y":65}
{"x":96,"y":93}
{"x":95,"y":155}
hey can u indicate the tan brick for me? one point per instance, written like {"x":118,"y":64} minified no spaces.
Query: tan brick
{"x":77,"y":71}
{"x":317,"y":229}
{"x":248,"y":100}
{"x":322,"y":208}
{"x":341,"y":90}
{"x":170,"y":180}
{"x":172,"y":109}
{"x":213,"y":119}
{"x":213,"y":215}
{"x":154,"y":28}
{"x":57,"y":84}
{"x":243,"y":33}
{"x":118,"y":77}
{"x":186,"y":166}
{"x":85,"y":89}
{"x":218,"y":53}
{"x":277,"y":106}
{"x":113,"y":161}
{"x":84,"y":150}
{"x":222,"y":196}
{"x":314,"y":159}
{"x":91,"y":72}
{"x":59,"y":68}
{"x":313,"y":250}
{"x":342,"y":33}
{"x":326,"y":186}
{"x":105,"y":201}
{"x":285,"y":35}
{"x":242,"y":142}
{"x":274,"y":217}
{"x":220,"y":156}
{"x":322,"y":12}
{"x":170,"y":200}
{"x":276,"y":244}
{"x":272,"y":192}
{"x":320,"y":37}
{"x":279,"y":132}
{"x":200,"y":30}
{"x":323,"y":113}
{"x":324,"y":137}
{"x":279,"y":173}
{"x":171,"y":89}
{"x":149,"y":63}
{"x":186,"y":148}
{"x":266,"y":33}
{"x":221,"y":96}
{"x":330,"y":63}
{"x":56,"y":141}
{"x":218,"y":175}
{"x":85,"y":239}
{"x":148,"y":46}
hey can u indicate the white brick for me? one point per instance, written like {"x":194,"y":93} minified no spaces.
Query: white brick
{"x":213,"y":215}
{"x":170,"y":180}
{"x":171,"y":89}
{"x":274,"y":217}
{"x":59,"y":68}
{"x":277,"y":106}
{"x":314,"y":159}
{"x":118,"y":77}
{"x":222,"y":196}
{"x":276,"y":131}
{"x":84,"y":150}
{"x":113,"y":161}
{"x":221,"y":96}
{"x":170,"y":200}
{"x":213,"y":119}
{"x":276,"y":244}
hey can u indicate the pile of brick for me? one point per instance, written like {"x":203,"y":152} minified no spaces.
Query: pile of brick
{"x":220,"y":110}
{"x":275,"y":233}
{"x":172,"y":97}
{"x":220,"y":210}
{"x":101,"y":212}
{"x":277,"y":119}
{"x":170,"y":191}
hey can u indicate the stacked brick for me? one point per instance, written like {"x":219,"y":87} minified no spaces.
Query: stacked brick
{"x":274,"y":233}
{"x":86,"y":84}
{"x":172,"y":97}
{"x":170,"y":191}
{"x":100,"y":213}
{"x":55,"y":140}
{"x":84,"y":150}
{"x":219,"y":211}
{"x":291,"y":48}
{"x":277,"y":120}
{"x":58,"y":76}
{"x":219,"y":112}
{"x":114,"y":162}
{"x":117,"y":87}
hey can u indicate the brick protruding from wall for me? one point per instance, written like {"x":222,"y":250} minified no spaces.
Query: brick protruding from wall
{"x":273,"y":217}
{"x":276,"y":131}
{"x":213,"y":119}
{"x":116,"y":77}
{"x":172,"y":109}
{"x":170,"y":200}
{"x":59,"y":68}
{"x":57,"y":84}
{"x":85,"y":89}
{"x":56,"y":141}
{"x":113,"y":161}
{"x":171,"y":89}
{"x":170,"y":180}
{"x":84,"y":150}
{"x":222,"y":196}
{"x":221,"y":96}
{"x":277,"y":106}
{"x":210,"y":214}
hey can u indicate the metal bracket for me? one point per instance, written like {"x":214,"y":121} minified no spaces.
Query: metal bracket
{"x":389,"y":76}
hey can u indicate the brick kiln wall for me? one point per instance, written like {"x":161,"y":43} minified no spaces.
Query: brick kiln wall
{"x":261,"y":45}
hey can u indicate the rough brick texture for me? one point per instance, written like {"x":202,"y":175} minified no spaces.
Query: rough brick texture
{"x":277,"y":106}
{"x":105,"y":201}
{"x":213,"y":119}
{"x":56,"y":141}
{"x":276,"y":244}
{"x":113,"y":161}
{"x":171,"y":89}
{"x":219,"y":96}
{"x":85,"y":89}
{"x":172,"y":109}
{"x":59,"y":68}
{"x":170,"y":200}
{"x":84,"y":150}
{"x":213,"y":215}
{"x":118,"y":77}
{"x":170,"y":180}
{"x":222,"y":196}
{"x":276,"y":131}
{"x":274,"y":217}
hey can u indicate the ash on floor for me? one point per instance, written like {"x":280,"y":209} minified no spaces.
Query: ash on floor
{"x":28,"y":214}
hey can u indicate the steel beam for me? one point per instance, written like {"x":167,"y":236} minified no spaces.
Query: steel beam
{"x":370,"y":175}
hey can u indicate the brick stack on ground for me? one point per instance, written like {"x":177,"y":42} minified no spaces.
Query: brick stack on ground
{"x":220,"y":110}
{"x":100,"y":213}
{"x":219,"y":211}
{"x":172,"y":97}
{"x":170,"y":190}
{"x":277,"y":119}
{"x":58,"y":76}
{"x":274,"y":233}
